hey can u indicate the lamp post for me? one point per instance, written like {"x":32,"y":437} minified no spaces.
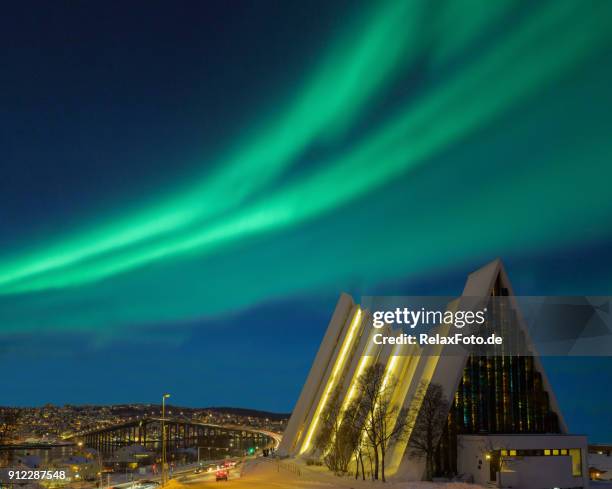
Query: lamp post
{"x":163,"y":433}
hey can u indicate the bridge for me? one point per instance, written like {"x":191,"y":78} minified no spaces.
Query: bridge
{"x":180,"y":433}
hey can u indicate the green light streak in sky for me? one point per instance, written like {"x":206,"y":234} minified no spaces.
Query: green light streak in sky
{"x":334,"y":98}
{"x":329,"y":101}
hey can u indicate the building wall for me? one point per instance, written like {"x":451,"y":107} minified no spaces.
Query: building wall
{"x":476,"y":454}
{"x":346,"y":351}
{"x":603,"y":463}
{"x":320,"y":368}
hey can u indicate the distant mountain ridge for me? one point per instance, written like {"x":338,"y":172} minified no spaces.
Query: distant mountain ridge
{"x":139,"y":407}
{"x":254,"y":413}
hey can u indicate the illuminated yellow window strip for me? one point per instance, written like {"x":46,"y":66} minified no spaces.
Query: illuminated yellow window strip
{"x":403,"y":370}
{"x":362,"y":365}
{"x":363,"y":362}
{"x":332,"y":380}
{"x":397,"y":368}
{"x":415,"y":404}
{"x":389,"y":371}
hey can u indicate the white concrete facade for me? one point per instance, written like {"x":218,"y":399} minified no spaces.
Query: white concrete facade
{"x":526,"y":461}
{"x":345,"y":352}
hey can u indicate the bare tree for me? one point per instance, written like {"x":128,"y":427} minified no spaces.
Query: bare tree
{"x":498,"y":457}
{"x":382,"y":421}
{"x":426,"y":422}
{"x":335,"y":437}
{"x":354,"y":434}
{"x":392,"y":423}
{"x":369,"y":387}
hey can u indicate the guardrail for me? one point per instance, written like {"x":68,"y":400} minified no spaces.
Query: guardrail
{"x":289,"y":467}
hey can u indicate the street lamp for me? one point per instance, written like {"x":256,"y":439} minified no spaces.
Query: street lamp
{"x":163,"y":433}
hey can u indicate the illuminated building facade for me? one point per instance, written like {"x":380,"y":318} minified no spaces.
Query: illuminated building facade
{"x":503,"y":426}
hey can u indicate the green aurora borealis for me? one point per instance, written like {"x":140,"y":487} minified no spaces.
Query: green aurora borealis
{"x":496,"y":152}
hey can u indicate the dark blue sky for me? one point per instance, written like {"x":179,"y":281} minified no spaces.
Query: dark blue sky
{"x":319,"y":148}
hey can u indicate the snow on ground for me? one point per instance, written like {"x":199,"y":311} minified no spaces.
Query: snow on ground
{"x":289,"y":474}
{"x":603,"y":463}
{"x":174,"y":484}
{"x":600,"y":484}
{"x":265,"y":473}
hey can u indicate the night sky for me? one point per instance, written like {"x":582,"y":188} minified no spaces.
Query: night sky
{"x":187,"y":187}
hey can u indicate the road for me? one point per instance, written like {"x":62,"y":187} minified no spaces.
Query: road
{"x":259,"y":482}
{"x":266,"y":474}
{"x":262,"y":473}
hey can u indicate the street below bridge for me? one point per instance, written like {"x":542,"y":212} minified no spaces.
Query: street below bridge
{"x":269,"y":473}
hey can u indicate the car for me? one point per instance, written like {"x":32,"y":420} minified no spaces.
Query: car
{"x":221,"y":475}
{"x":198,"y":470}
